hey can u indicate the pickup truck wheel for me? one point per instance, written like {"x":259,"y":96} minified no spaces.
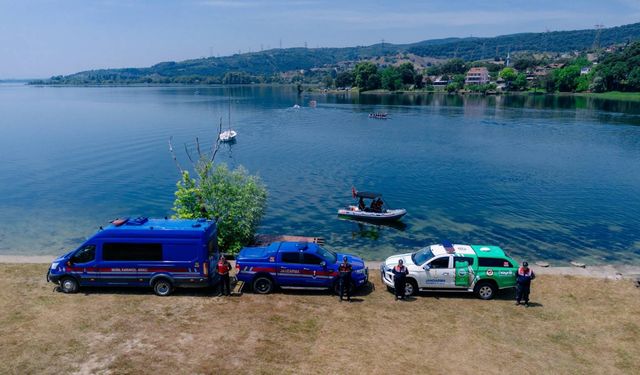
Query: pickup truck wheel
{"x":68,"y":285}
{"x":410,"y":288}
{"x":485,"y":290}
{"x":263,"y":285}
{"x":162,"y":287}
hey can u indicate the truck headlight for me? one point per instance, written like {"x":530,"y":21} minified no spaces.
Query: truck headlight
{"x":362,"y":271}
{"x":54,"y":265}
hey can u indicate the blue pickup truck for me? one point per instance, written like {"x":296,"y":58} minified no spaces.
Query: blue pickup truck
{"x":295,"y":264}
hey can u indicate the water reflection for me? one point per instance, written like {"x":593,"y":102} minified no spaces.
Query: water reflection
{"x":532,"y":101}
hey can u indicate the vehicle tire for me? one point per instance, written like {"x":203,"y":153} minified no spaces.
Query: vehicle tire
{"x":162,"y":287}
{"x":69,"y":285}
{"x":410,"y":287}
{"x":485,"y":290}
{"x":262,"y":285}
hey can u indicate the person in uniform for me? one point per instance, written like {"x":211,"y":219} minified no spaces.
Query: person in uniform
{"x":223,"y":267}
{"x":523,"y":283}
{"x":400,"y":272}
{"x":344,"y":271}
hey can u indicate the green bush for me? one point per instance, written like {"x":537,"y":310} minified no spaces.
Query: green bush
{"x":234,"y":198}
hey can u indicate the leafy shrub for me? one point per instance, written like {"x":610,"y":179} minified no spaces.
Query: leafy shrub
{"x":234,"y":197}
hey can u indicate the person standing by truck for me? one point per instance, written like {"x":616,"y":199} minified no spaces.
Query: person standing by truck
{"x":399,"y":279}
{"x":344,"y":273}
{"x":523,"y":283}
{"x":223,"y":267}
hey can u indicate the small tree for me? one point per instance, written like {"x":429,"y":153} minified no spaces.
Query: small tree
{"x":327,"y":81}
{"x":234,"y":198}
{"x":344,"y":79}
{"x":366,"y":76}
{"x":408,"y":73}
{"x":391,"y":79}
{"x":520,"y":83}
{"x":508,"y":75}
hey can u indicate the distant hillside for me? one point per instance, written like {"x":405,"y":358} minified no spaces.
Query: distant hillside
{"x":274,"y":61}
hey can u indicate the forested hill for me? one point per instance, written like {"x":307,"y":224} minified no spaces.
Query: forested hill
{"x":288,"y":59}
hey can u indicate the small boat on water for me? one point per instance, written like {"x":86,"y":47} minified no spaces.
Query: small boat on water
{"x":376,"y":211}
{"x":379,"y":115}
{"x":228,"y":135}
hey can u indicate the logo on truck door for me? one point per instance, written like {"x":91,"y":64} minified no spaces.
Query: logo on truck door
{"x":489,"y":272}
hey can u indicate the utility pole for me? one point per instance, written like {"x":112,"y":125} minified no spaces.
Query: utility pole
{"x":305,"y":44}
{"x":280,"y":44}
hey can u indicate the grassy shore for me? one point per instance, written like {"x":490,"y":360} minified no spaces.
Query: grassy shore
{"x":613,"y":95}
{"x":575,"y":326}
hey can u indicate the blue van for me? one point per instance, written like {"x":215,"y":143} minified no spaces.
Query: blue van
{"x":160,"y":253}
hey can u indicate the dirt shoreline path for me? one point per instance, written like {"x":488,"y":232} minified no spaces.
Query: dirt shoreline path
{"x":601,"y":272}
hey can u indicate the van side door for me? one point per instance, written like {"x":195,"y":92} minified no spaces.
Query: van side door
{"x":83,"y":265}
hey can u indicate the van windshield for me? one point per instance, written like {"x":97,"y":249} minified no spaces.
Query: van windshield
{"x":422,"y":255}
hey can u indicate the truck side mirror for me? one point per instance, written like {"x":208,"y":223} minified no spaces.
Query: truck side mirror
{"x":426,"y":267}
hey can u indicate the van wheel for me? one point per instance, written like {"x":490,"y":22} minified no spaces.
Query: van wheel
{"x":410,"y":288}
{"x":485,"y":290}
{"x":263,"y":285}
{"x":162,"y":287}
{"x":68,"y":285}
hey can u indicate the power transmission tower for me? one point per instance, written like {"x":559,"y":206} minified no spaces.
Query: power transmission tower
{"x":305,"y":44}
{"x":596,"y":40}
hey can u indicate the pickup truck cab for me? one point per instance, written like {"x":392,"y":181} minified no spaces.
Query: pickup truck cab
{"x":295,"y":264}
{"x":482,"y":269}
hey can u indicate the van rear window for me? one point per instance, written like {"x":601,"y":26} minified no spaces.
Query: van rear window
{"x":131,"y":251}
{"x":494,"y":262}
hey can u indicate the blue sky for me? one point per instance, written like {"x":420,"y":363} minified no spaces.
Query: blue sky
{"x":41,"y":38}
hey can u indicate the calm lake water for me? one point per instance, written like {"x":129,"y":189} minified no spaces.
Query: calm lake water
{"x":555,"y":178}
